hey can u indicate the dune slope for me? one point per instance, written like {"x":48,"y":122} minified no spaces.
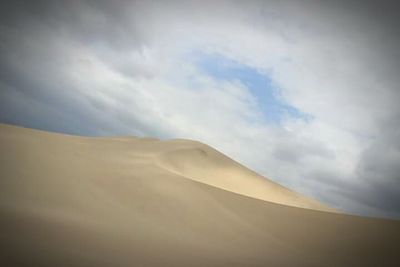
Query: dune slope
{"x":78,"y":201}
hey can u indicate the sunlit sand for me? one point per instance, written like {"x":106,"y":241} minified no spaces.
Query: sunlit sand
{"x":124,"y":201}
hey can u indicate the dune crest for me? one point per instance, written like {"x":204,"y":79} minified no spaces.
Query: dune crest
{"x":202,"y":163}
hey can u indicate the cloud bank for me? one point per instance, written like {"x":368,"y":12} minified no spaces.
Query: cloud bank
{"x":136,"y":67}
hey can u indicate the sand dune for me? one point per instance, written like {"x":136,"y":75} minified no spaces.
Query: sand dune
{"x":78,"y":201}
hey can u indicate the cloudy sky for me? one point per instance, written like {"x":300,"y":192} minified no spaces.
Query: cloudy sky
{"x":304,"y":92}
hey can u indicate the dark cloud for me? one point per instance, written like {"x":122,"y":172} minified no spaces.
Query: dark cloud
{"x":380,"y":168}
{"x":376,"y":183}
{"x":36,"y":90}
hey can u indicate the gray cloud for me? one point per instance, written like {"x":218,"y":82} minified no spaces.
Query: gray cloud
{"x":379,"y":167}
{"x":292,"y":150}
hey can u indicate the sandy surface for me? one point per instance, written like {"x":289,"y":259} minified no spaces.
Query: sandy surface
{"x":78,"y":201}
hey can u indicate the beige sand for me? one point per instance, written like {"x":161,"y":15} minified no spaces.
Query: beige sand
{"x":77,"y":201}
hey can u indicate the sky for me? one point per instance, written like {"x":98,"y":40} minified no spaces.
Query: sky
{"x":305,"y":93}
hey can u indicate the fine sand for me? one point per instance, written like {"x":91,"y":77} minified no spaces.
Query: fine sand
{"x":124,"y":201}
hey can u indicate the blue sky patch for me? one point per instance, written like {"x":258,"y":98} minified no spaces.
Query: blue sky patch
{"x":259,"y":85}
